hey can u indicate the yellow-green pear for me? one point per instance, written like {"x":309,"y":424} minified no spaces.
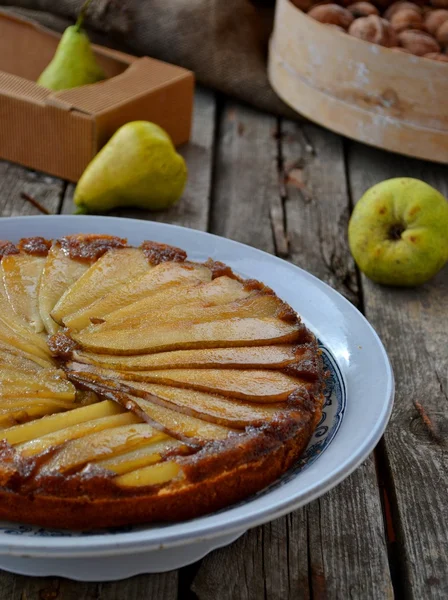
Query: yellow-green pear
{"x":398,"y":232}
{"x":74,"y":63}
{"x":138,"y":167}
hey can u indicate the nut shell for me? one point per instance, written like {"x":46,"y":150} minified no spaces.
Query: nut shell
{"x":442,"y":34}
{"x":332,"y":14}
{"x":374,"y":29}
{"x":398,"y":6}
{"x":363,"y":9}
{"x":406,"y":18}
{"x":418,"y":42}
{"x":304,"y":5}
{"x":434,"y":19}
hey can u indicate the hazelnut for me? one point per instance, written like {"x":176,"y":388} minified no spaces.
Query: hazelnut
{"x":397,"y":6}
{"x":332,"y":14}
{"x":437,"y":56}
{"x":442,"y":34}
{"x":439,"y":3}
{"x":434,"y":19}
{"x":406,"y":18}
{"x":362,"y":9}
{"x":418,"y":42}
{"x":374,"y":29}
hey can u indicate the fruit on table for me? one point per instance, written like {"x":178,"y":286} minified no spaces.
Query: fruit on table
{"x":398,"y":232}
{"x":74,"y":63}
{"x":138,"y":167}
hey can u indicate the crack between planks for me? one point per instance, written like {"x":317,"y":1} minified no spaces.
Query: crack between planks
{"x":219,"y":113}
{"x":277,"y":209}
{"x":62,"y":198}
{"x":389,"y":505}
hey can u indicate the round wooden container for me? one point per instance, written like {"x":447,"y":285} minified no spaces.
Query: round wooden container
{"x":388,"y":99}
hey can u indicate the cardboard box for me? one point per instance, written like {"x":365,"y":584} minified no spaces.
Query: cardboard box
{"x":60,"y":132}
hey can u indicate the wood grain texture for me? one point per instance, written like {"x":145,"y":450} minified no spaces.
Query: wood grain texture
{"x":310,"y":553}
{"x":317,"y":213}
{"x":413,"y":325}
{"x":193,"y":208}
{"x":15,"y":179}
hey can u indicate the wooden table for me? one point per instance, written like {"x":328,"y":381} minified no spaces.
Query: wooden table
{"x":288,"y":189}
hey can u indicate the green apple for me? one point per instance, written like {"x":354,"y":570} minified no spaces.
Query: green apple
{"x":398,"y":232}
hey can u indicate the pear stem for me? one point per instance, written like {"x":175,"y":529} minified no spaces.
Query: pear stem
{"x":82,"y":14}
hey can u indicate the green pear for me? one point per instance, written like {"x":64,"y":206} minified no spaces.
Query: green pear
{"x":74,"y":63}
{"x":398,"y":232}
{"x":138,"y":167}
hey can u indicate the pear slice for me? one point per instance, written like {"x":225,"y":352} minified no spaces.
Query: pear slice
{"x":177,"y":425}
{"x":210,"y":407}
{"x":142,"y":457}
{"x":185,"y":335}
{"x":8,"y":350}
{"x":106,"y":443}
{"x":21,"y":277}
{"x":151,"y":475}
{"x":15,"y":416}
{"x":36,"y":429}
{"x":257,"y":385}
{"x":44,"y":383}
{"x":267,"y":357}
{"x":75,"y":432}
{"x":222,"y":290}
{"x":200,"y":312}
{"x":115,"y":267}
{"x":164,"y":275}
{"x":59,"y":273}
{"x":30,"y":343}
{"x":18,"y":360}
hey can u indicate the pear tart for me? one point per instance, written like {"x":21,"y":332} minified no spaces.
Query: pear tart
{"x":138,"y":386}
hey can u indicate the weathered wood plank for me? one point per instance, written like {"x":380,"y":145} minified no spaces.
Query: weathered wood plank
{"x":413,"y":325}
{"x":317,"y":212}
{"x":15,"y":179}
{"x":252,"y":173}
{"x":193,"y":208}
{"x":18,"y":587}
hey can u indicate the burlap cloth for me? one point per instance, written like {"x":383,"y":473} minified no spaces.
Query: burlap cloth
{"x":223,"y":41}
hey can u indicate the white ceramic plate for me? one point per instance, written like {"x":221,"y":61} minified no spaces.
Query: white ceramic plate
{"x":359,"y":402}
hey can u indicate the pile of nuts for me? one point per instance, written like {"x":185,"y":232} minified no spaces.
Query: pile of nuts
{"x":411,"y":27}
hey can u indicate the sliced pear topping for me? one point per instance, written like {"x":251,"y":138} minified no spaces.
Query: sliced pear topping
{"x":21,"y":277}
{"x":8,"y":350}
{"x":59,"y":273}
{"x":219,"y":291}
{"x":12,"y":417}
{"x":211,"y":407}
{"x":107,"y":443}
{"x":271,"y":357}
{"x":50,"y":383}
{"x":202,"y":312}
{"x":161,"y":277}
{"x":36,"y":429}
{"x":115,"y":267}
{"x":152,"y":475}
{"x":75,"y":432}
{"x":142,"y":457}
{"x":179,"y":425}
{"x":257,"y":385}
{"x":184,"y":335}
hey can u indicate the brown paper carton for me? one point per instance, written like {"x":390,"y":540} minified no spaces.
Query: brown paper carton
{"x":60,"y":132}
